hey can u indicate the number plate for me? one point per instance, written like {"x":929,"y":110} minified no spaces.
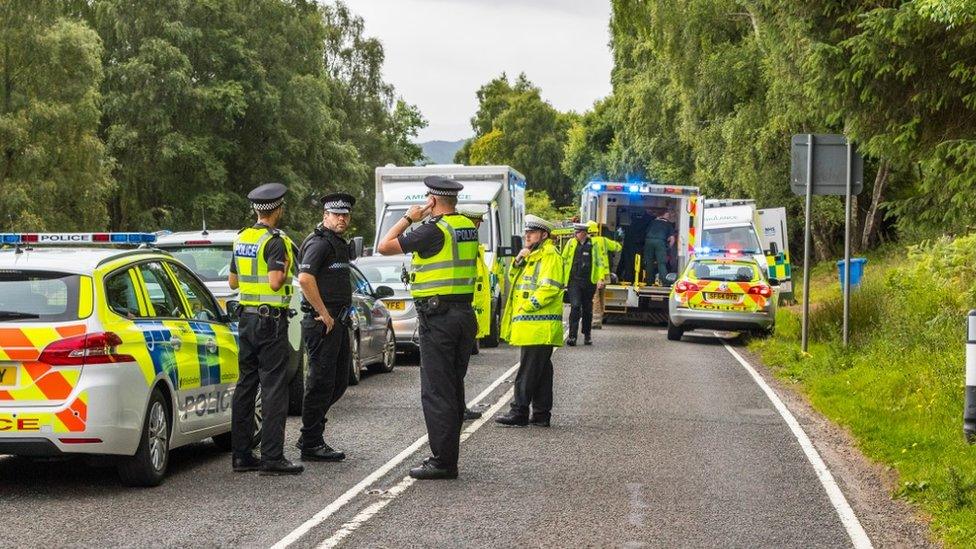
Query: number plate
{"x":724,"y":296}
{"x":396,"y":305}
{"x":8,"y":375}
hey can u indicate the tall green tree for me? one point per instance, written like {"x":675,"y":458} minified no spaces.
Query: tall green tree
{"x":54,"y":172}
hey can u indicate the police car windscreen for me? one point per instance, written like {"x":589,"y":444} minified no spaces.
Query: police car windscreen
{"x":211,"y":263}
{"x":382,"y":273}
{"x":38,"y":296}
{"x":725,"y":271}
{"x":392,"y":215}
{"x":741,"y":238}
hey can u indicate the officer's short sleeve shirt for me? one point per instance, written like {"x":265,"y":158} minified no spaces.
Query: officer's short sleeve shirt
{"x":330,"y":267}
{"x":274,"y":254}
{"x":425,"y":241}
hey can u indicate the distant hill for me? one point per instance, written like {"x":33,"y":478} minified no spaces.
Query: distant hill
{"x":441,"y":152}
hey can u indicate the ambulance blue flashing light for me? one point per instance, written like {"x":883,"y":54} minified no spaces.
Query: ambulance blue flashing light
{"x":34,"y":239}
{"x":634,"y":188}
{"x":596,"y":186}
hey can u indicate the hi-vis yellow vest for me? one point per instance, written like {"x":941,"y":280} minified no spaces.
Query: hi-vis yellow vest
{"x":452,"y":270}
{"x":482,"y":295}
{"x":534,"y":311}
{"x":252,"y":269}
{"x":601,"y":247}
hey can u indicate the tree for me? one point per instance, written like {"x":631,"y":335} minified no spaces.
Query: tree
{"x":54,"y":173}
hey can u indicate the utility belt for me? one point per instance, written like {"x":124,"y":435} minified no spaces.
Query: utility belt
{"x":266,"y":311}
{"x":344,"y":316}
{"x":439,"y":304}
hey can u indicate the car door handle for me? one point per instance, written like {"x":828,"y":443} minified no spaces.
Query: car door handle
{"x":176,"y":343}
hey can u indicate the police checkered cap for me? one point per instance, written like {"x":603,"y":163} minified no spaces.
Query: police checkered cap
{"x":267,"y":197}
{"x":339,"y":203}
{"x":534,"y":222}
{"x":442,"y":186}
{"x":579,"y":226}
{"x":268,"y":206}
{"x":473,"y":211}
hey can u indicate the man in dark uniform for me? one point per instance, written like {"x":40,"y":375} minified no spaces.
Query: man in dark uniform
{"x":445,"y":251}
{"x":578,"y":261}
{"x":633,"y":244}
{"x":324,"y":278}
{"x":659,"y":239}
{"x":261,"y":268}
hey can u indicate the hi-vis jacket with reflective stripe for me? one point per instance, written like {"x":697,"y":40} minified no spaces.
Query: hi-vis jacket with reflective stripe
{"x":482,"y":295}
{"x":600,"y":264}
{"x":252,"y":269}
{"x":452,"y":270}
{"x":534,"y":310}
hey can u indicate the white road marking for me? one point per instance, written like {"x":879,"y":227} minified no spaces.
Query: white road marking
{"x":853,"y":526}
{"x":362,"y":485}
{"x":369,"y":512}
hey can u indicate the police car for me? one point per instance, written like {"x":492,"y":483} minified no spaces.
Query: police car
{"x":722,"y":290}
{"x":372,"y":339}
{"x":109,"y":351}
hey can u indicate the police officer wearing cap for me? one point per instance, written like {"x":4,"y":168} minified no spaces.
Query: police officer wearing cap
{"x":324,"y":278}
{"x":442,"y":283}
{"x":261,"y":269}
{"x":580,"y":270}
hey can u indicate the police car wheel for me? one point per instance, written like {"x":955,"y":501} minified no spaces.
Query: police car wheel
{"x":296,"y":388}
{"x":356,"y":370}
{"x":674,"y":332}
{"x":148,"y":466}
{"x":389,"y":353}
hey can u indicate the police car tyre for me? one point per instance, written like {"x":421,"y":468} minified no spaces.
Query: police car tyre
{"x":674,"y":332}
{"x":389,"y":353}
{"x":148,"y":466}
{"x":495,"y":330}
{"x":296,"y":387}
{"x":356,"y":369}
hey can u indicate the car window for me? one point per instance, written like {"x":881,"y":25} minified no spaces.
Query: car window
{"x":38,"y":296}
{"x":120,"y":294}
{"x":359,"y":283}
{"x":202,"y":305}
{"x":164,"y":300}
{"x":208,"y":262}
{"x":383,"y":273}
{"x":725,"y":271}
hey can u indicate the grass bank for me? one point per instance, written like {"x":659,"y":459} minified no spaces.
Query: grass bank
{"x":899,"y":387}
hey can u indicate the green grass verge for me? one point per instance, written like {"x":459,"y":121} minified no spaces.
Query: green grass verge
{"x":899,"y":387}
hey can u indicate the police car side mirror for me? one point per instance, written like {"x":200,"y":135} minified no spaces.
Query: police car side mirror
{"x":773,"y":249}
{"x":231,"y":307}
{"x":382,"y":291}
{"x":356,"y":247}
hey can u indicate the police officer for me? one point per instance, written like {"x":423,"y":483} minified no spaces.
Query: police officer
{"x":533,"y":320}
{"x":442,"y":279}
{"x":482,"y":289}
{"x":602,"y":246}
{"x":582,"y":277}
{"x":658,"y":240}
{"x":324,"y":278}
{"x":261,"y":268}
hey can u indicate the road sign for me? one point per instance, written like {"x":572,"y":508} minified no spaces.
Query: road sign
{"x":829,"y":166}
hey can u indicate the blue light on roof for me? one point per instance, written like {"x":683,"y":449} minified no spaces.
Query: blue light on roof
{"x":596,"y":186}
{"x":634,"y":188}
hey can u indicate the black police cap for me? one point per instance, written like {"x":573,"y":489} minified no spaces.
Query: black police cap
{"x":339,"y":203}
{"x":442,"y":186}
{"x":267,"y":197}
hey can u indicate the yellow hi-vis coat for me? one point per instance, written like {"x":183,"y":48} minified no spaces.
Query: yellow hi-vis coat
{"x":600,"y":263}
{"x":534,"y":311}
{"x":482,"y":295}
{"x":452,"y":270}
{"x":252,"y":269}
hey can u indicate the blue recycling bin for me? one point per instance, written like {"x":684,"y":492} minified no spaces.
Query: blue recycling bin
{"x":857,"y":271}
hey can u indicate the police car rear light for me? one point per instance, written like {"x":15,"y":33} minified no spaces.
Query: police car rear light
{"x":761,"y":289}
{"x":80,"y":440}
{"x":685,"y":286}
{"x":76,"y":238}
{"x":94,"y":348}
{"x":196,"y":242}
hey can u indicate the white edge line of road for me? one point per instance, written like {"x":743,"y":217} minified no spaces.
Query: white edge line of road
{"x":351,"y":493}
{"x":853,"y":526}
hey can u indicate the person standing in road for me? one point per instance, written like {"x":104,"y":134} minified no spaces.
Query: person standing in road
{"x":581,"y":278}
{"x":261,"y":268}
{"x":659,"y":239}
{"x":482,"y":290}
{"x":602,"y":246}
{"x":442,"y":283}
{"x":325,"y":280}
{"x":533,"y":321}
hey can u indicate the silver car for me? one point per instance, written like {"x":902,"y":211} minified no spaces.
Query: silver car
{"x":389,"y":271}
{"x":371,"y":334}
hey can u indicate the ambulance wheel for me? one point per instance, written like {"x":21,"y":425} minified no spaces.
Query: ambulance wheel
{"x":495,"y":330}
{"x":296,"y":387}
{"x":356,"y":369}
{"x":148,"y":466}
{"x":674,"y":332}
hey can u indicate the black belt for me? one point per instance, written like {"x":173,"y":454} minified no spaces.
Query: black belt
{"x":266,"y":310}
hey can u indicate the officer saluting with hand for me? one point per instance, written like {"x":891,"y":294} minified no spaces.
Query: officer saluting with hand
{"x":262,"y":268}
{"x":442,"y":279}
{"x":324,"y":278}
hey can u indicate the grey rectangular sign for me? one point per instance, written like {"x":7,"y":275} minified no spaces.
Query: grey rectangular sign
{"x":829,"y":166}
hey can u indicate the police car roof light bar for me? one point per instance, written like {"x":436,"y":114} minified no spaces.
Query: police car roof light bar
{"x":76,"y":239}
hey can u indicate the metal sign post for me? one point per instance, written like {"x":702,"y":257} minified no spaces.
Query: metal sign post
{"x":816,"y":164}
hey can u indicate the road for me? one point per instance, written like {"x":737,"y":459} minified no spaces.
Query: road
{"x":653,"y":443}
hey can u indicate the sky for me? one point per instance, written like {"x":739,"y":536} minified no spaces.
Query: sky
{"x":439,"y":52}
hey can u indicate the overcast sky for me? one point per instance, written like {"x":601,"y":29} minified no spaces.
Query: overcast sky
{"x":439,"y":52}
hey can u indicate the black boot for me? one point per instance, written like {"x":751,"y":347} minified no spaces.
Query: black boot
{"x":587,"y":340}
{"x":429,"y":471}
{"x":471,"y":414}
{"x":540,"y":421}
{"x":281,"y":467}
{"x":246,"y":463}
{"x":512,"y":419}
{"x":322,"y":453}
{"x":571,"y":342}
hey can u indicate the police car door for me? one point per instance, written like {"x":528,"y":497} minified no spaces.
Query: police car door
{"x":171,"y":341}
{"x":216,"y":351}
{"x":367,"y":309}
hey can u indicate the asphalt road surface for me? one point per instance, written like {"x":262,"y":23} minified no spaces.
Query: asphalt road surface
{"x":653,"y":444}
